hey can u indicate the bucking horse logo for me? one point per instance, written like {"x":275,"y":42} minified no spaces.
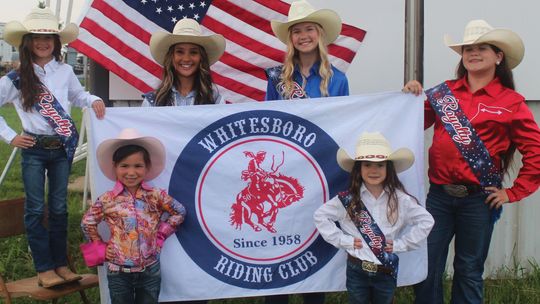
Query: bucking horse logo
{"x":266,"y":192}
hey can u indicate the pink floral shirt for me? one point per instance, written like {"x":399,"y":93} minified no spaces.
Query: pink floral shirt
{"x":133,"y":222}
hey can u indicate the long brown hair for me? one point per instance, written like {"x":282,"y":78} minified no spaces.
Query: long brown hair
{"x":391,"y":183}
{"x":203,"y":83}
{"x":30,"y":83}
{"x":506,"y":77}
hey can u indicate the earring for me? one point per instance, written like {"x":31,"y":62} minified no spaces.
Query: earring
{"x":498,"y":62}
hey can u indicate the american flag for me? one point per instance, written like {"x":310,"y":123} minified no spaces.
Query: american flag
{"x":116,"y":33}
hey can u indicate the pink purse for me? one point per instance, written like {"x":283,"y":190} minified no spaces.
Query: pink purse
{"x":94,"y":253}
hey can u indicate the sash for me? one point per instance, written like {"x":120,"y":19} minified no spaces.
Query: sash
{"x":274,"y":75}
{"x":371,"y":233}
{"x":465,"y":138}
{"x":52,"y":111}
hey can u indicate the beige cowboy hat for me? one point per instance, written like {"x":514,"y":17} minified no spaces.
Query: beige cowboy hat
{"x":39,"y":21}
{"x":155,"y":148}
{"x":302,"y":11}
{"x":374,"y":147}
{"x":186,"y":31}
{"x":479,"y":31}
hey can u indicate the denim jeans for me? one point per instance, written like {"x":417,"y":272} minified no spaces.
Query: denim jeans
{"x":48,"y":246}
{"x":366,"y":287}
{"x":135,"y":287}
{"x":469,"y":220}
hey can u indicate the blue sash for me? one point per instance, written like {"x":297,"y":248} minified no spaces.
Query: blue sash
{"x":274,"y":75}
{"x":52,"y":111}
{"x":371,"y":233}
{"x":465,"y":138}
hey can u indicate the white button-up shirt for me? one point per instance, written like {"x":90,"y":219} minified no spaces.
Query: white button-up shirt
{"x":413,"y":224}
{"x":59,"y":78}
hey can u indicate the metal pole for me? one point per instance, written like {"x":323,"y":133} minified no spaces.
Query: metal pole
{"x":8,"y":164}
{"x":69,"y":10}
{"x":414,"y":40}
{"x":58,"y":6}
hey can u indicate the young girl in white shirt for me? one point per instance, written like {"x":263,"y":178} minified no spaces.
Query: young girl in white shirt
{"x":42,"y":90}
{"x":376,"y":202}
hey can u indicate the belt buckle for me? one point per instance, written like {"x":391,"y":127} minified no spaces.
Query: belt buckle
{"x":51,"y":143}
{"x":369,"y":266}
{"x":456,"y":190}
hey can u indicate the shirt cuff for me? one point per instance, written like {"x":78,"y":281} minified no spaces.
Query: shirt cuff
{"x":347,"y":242}
{"x":8,"y":135}
{"x":511,"y":196}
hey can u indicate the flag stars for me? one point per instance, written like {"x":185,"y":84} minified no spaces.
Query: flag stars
{"x":192,"y":5}
{"x":173,"y":20}
{"x":196,"y":17}
{"x":170,"y":9}
{"x":144,"y":1}
{"x":159,"y":10}
{"x":181,"y":7}
{"x":202,"y":4}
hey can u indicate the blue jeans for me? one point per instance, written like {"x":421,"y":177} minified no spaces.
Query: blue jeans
{"x":366,"y":287}
{"x":48,"y":246}
{"x":136,"y":287}
{"x":309,"y":298}
{"x":469,"y":220}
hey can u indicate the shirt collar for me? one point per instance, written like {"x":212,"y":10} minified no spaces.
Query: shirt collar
{"x":49,"y":67}
{"x":364,"y":191}
{"x":313,"y":70}
{"x":119,"y":188}
{"x":493,"y":88}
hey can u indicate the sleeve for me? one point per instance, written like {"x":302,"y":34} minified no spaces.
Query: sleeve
{"x":429,"y":115}
{"x":91,"y":218}
{"x":77,"y":95}
{"x":420,"y":222}
{"x":325,"y":218}
{"x":8,"y":93}
{"x":344,"y":87}
{"x":176,"y":210}
{"x":271,"y":93}
{"x":525,"y":134}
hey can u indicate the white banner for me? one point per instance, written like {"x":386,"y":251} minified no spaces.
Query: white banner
{"x":234,"y":243}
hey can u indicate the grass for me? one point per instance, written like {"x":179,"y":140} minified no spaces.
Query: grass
{"x":15,"y":260}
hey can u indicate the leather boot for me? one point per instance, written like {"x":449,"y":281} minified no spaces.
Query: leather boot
{"x":49,"y":278}
{"x":67,"y":275}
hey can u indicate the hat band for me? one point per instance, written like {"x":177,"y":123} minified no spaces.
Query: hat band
{"x":43,"y":31}
{"x":372,"y":156}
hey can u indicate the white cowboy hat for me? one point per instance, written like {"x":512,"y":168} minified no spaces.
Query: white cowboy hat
{"x":479,"y":31}
{"x":374,"y":147}
{"x":39,"y":21}
{"x":155,"y":148}
{"x":186,"y":31}
{"x":302,"y":11}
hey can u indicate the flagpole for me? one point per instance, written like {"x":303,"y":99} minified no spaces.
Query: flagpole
{"x":414,"y":40}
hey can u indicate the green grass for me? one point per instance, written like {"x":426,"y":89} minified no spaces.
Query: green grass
{"x":15,"y":261}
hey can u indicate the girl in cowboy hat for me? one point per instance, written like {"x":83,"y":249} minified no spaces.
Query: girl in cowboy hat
{"x":134,"y":211}
{"x":464,"y":201}
{"x":306,"y":71}
{"x":375,"y":193}
{"x":186,"y":56}
{"x":43,"y":89}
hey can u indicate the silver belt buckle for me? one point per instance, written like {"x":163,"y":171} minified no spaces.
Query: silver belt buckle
{"x":369,"y":266}
{"x":456,"y":190}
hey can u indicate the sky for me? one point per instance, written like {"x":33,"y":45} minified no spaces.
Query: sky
{"x":18,"y":9}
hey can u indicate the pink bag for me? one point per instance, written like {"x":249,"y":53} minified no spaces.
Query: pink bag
{"x":94,"y":253}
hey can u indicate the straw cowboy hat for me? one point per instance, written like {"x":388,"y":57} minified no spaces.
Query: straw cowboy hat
{"x":479,"y":31}
{"x":39,"y":21}
{"x":186,"y":31}
{"x":302,"y":11}
{"x":128,"y":136}
{"x":374,"y":147}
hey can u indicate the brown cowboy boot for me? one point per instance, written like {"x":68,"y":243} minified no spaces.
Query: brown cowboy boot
{"x":67,"y":275}
{"x":49,"y":278}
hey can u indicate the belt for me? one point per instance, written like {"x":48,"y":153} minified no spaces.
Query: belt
{"x":48,"y":142}
{"x":368,"y":266}
{"x":128,"y":269}
{"x":460,"y":191}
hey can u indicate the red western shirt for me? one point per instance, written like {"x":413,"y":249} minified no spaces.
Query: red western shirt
{"x":500,"y":117}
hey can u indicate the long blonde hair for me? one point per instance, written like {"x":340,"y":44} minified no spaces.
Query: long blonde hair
{"x":292,"y":58}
